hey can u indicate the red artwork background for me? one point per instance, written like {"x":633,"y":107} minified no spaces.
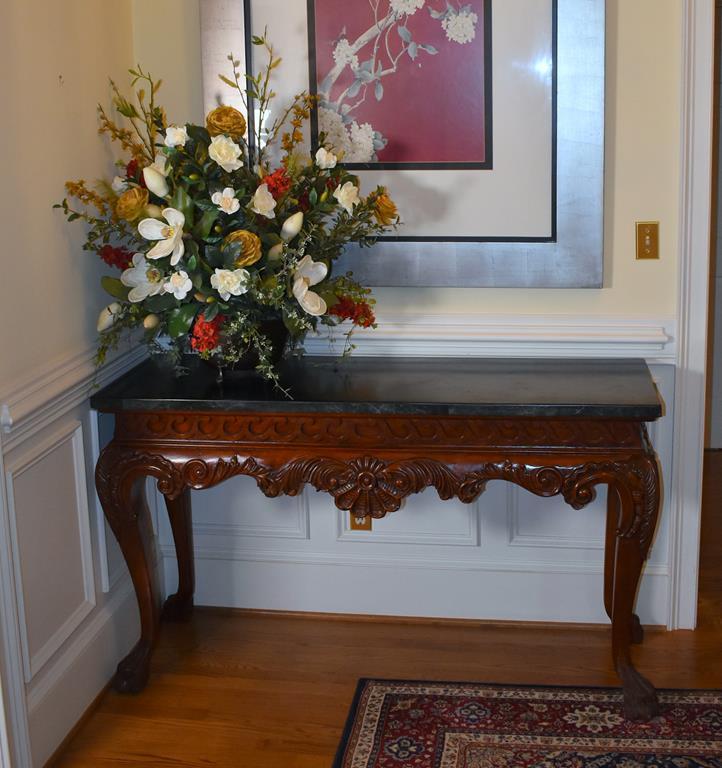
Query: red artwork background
{"x":433,"y":108}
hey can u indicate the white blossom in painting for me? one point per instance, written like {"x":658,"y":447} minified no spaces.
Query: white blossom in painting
{"x":353,"y":141}
{"x":460,"y":27}
{"x":406,"y":7}
{"x":362,"y":143}
{"x":343,"y":54}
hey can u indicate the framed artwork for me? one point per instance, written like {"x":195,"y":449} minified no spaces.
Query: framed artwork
{"x":373,"y":66}
{"x":484,"y":118}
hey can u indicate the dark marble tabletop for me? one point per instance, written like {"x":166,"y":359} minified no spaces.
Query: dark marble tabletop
{"x":500,"y":387}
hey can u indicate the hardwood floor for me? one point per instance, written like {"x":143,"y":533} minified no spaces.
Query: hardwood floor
{"x":249,"y":690}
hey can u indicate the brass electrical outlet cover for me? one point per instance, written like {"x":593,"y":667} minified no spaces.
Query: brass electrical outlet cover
{"x":647,"y":239}
{"x":360,"y":523}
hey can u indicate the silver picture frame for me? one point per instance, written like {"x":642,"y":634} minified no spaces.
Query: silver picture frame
{"x":573,"y":257}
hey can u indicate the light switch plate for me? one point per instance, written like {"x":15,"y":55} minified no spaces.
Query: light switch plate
{"x":647,"y":239}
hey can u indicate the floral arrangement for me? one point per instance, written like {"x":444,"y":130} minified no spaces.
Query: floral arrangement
{"x":216,"y":248}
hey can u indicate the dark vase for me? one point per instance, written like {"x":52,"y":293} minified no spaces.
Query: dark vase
{"x":275,"y":330}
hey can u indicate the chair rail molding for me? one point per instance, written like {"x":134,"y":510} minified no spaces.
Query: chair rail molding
{"x":33,"y":400}
{"x":653,"y":338}
{"x":694,"y":249}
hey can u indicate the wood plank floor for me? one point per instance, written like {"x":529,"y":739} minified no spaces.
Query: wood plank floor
{"x":237,"y":690}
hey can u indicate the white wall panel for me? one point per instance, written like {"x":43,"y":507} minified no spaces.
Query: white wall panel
{"x":51,"y":544}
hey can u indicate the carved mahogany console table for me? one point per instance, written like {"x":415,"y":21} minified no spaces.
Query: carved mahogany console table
{"x":372,"y":431}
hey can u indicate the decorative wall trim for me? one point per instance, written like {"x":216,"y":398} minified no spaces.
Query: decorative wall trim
{"x":73,"y":433}
{"x":11,"y":663}
{"x":365,"y":560}
{"x":52,"y":675}
{"x":34,"y":400}
{"x":555,"y":541}
{"x":470,"y":538}
{"x":300,"y":527}
{"x":520,"y":336}
{"x":694,"y":248}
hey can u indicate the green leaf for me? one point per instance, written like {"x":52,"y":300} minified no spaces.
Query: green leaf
{"x":404,"y":34}
{"x":203,"y":227}
{"x":115,"y":288}
{"x":199,"y":133}
{"x":183,"y":202}
{"x":211,"y":311}
{"x":313,"y":197}
{"x":180,"y":320}
{"x":159,"y":303}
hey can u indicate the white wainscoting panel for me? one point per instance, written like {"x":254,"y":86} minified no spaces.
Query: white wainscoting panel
{"x":50,"y":537}
{"x":111,"y":564}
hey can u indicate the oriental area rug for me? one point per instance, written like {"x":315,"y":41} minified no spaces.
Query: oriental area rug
{"x":397,"y":724}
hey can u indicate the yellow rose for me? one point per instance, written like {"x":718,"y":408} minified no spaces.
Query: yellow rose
{"x":131,"y":204}
{"x":250,"y":244}
{"x":385,"y":211}
{"x":226,"y":120}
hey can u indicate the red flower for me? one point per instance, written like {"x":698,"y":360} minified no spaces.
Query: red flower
{"x":278,"y":182}
{"x":360,"y":313}
{"x":303,"y":202}
{"x":206,"y":334}
{"x":119,"y":257}
{"x":331,"y":183}
{"x":133,"y":173}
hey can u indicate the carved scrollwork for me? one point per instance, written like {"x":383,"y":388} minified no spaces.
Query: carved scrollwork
{"x":543,"y":481}
{"x":372,"y":486}
{"x":391,"y":431}
{"x":118,"y":467}
{"x":636,"y":479}
{"x":367,"y":485}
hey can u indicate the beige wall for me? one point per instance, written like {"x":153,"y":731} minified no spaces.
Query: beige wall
{"x":57,"y":71}
{"x":642,"y":160}
{"x":55,"y":58}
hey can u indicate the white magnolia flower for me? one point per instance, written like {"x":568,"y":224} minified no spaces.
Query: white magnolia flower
{"x":170,"y":235}
{"x":460,"y":27}
{"x":155,"y":182}
{"x":325,"y":160}
{"x":176,"y":136}
{"x":347,"y":196}
{"x":406,"y":7}
{"x":343,"y":54}
{"x":107,"y":316}
{"x":291,"y":227}
{"x":226,"y":200}
{"x":225,"y":152}
{"x":143,"y":278}
{"x":179,"y":284}
{"x":264,"y":203}
{"x":119,"y":184}
{"x":275,"y":252}
{"x":230,"y":282}
{"x":306,"y":274}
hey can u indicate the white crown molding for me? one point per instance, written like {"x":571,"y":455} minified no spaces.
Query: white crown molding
{"x":37,"y":398}
{"x":653,"y":338}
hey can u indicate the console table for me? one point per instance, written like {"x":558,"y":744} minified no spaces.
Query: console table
{"x":372,"y":431}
